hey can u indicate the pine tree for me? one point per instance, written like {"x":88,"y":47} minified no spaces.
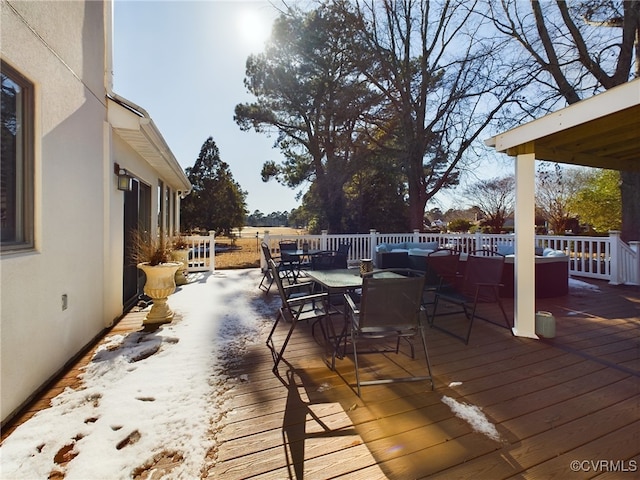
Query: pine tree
{"x":216,"y":202}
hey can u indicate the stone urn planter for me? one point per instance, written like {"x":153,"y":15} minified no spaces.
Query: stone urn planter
{"x":181,"y":256}
{"x":159,"y":285}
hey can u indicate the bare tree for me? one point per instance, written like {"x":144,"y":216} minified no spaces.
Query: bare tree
{"x":444,"y":81}
{"x":494,"y":199}
{"x":580,"y":49}
{"x":556,"y":187}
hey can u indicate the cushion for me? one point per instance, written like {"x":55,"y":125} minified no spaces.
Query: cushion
{"x":422,"y":245}
{"x":382,"y":248}
{"x":419,"y":252}
{"x":506,"y":249}
{"x":539,"y":251}
{"x":555,"y":253}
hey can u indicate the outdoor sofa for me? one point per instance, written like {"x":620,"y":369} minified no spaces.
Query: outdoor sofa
{"x":399,"y":255}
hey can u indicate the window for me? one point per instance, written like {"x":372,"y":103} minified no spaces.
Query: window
{"x":16,"y":168}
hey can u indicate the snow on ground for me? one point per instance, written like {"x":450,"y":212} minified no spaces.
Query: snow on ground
{"x":473,"y":416}
{"x":149,"y":398}
{"x":580,"y":285}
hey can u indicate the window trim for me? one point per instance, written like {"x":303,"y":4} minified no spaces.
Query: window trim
{"x":25,"y":212}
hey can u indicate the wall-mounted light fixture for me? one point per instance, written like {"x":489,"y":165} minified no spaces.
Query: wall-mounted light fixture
{"x":124,"y":178}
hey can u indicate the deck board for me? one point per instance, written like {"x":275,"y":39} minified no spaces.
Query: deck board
{"x":572,"y":397}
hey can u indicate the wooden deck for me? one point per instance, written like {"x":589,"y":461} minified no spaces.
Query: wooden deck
{"x":575,"y":397}
{"x":572,"y":398}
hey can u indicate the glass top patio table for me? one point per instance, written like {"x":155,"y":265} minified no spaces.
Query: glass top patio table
{"x":342,"y":279}
{"x":299,"y":253}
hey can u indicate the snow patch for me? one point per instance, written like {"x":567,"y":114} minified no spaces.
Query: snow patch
{"x":150,"y":398}
{"x":473,"y":416}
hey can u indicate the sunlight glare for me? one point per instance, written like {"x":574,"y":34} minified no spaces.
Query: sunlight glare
{"x":254,"y":29}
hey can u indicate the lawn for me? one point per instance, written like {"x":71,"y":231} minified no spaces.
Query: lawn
{"x":245,"y":248}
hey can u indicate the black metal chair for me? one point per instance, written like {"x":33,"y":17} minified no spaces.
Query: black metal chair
{"x":298,"y":303}
{"x":479,"y":284}
{"x":441,"y":272}
{"x":267,"y":276}
{"x":289,"y":258}
{"x":389,"y":308}
{"x":330,"y":259}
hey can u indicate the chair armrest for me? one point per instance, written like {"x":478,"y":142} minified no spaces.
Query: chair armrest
{"x":297,"y":285}
{"x":307,"y":298}
{"x":351,"y":304}
{"x":298,"y":289}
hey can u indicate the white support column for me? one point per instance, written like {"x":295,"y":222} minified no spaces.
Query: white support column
{"x":614,"y":257}
{"x":212,"y":250}
{"x":372,"y":244}
{"x":635,"y":272}
{"x":524,"y":268}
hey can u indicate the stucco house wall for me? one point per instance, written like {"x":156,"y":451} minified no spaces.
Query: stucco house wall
{"x":78,"y":210}
{"x":37,"y":336}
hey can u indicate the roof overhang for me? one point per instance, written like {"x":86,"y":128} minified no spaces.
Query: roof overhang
{"x":136,"y":128}
{"x":602,"y":131}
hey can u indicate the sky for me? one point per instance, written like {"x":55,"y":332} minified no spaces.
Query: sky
{"x":184,"y":63}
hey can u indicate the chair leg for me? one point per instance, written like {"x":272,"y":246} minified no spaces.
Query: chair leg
{"x":266,"y":282}
{"x":279,"y":355}
{"x":273,"y":329}
{"x":355,"y":361}
{"x":426,"y":355}
{"x":504,"y":313}
{"x":473,"y":316}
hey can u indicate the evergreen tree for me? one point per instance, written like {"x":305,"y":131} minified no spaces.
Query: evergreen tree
{"x":216,"y":202}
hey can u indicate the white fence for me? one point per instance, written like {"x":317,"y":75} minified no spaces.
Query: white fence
{"x":201,"y":253}
{"x":604,"y":258}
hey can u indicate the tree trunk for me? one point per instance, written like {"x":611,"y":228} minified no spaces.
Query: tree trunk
{"x":417,"y":197}
{"x":630,"y":191}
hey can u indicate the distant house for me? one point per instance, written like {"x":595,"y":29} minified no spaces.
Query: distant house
{"x":67,"y":140}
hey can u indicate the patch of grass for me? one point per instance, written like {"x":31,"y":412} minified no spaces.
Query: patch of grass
{"x":246,"y":248}
{"x":244,"y":253}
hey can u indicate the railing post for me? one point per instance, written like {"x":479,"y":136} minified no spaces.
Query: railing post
{"x":323,"y":239}
{"x":263,"y":260}
{"x":478,"y":241}
{"x":635,"y":274}
{"x":372,"y":243}
{"x":212,"y":251}
{"x":416,"y":235}
{"x":614,"y":245}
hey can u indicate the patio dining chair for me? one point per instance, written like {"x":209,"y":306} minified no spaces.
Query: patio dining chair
{"x":289,"y":258}
{"x":299,"y":303}
{"x":388,"y":308}
{"x":479,"y":284}
{"x":331,"y":259}
{"x":267,"y":276}
{"x":440,"y":275}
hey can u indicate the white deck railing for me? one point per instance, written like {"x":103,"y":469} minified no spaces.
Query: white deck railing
{"x":603,"y":258}
{"x":201,"y":253}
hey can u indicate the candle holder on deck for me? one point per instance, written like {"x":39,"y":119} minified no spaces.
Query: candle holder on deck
{"x":366,"y":266}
